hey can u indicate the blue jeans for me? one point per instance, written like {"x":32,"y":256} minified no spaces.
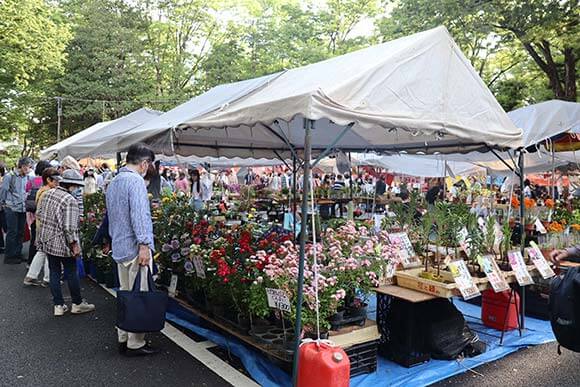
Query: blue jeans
{"x":55,"y":265}
{"x":15,"y":223}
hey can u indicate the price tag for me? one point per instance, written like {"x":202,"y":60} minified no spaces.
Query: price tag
{"x":378,"y":221}
{"x":407,"y":254}
{"x":173,"y":285}
{"x":199,"y":267}
{"x":463,"y":241}
{"x":519,"y":267}
{"x":540,"y":261}
{"x":278,"y":299}
{"x":463,"y":279}
{"x":462,"y":235}
{"x":540,"y":227}
{"x":494,"y":275}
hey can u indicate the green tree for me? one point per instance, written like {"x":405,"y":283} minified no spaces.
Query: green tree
{"x":544,"y":32}
{"x":33,"y":37}
{"x":177,"y":43}
{"x":106,"y":62}
{"x":549,"y":32}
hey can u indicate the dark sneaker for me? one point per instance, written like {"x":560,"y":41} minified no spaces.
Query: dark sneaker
{"x":146,"y":350}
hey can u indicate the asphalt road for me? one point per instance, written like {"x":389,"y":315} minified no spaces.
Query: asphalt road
{"x":38,"y":349}
{"x":534,"y":366}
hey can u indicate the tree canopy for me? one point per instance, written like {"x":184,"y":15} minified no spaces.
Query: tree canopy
{"x":106,"y":58}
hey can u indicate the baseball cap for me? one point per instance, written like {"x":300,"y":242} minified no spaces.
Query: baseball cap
{"x":72,"y":176}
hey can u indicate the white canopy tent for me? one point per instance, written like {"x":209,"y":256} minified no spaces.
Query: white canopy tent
{"x":60,"y":149}
{"x":538,"y":122}
{"x":418,"y":166}
{"x":89,"y":142}
{"x":417,"y":93}
{"x":546,"y":120}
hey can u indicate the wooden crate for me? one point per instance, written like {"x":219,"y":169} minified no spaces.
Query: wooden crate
{"x":353,"y":335}
{"x":410,"y":279}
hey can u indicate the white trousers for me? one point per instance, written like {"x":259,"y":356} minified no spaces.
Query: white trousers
{"x":127,"y":275}
{"x":38,"y":262}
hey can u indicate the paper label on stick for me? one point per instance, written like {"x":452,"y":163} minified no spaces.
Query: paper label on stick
{"x":463,"y":279}
{"x":540,"y":261}
{"x":378,"y":218}
{"x":278,"y":299}
{"x":540,"y":227}
{"x":199,"y":267}
{"x":519,"y":267}
{"x":493,"y":273}
{"x":407,"y":254}
{"x":462,"y":236}
{"x":173,"y":285}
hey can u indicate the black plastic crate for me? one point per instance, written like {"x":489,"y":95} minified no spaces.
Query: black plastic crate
{"x":363,"y":358}
{"x":402,"y":335}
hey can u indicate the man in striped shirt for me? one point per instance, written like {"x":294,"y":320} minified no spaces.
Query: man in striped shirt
{"x":131,"y":230}
{"x":58,"y":237}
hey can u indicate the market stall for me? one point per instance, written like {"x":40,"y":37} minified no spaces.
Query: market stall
{"x":236,"y":270}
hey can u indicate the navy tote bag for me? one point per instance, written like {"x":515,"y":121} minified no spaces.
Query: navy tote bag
{"x":141,"y":312}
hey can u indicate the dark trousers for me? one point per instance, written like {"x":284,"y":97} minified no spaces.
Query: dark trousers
{"x":2,"y":230}
{"x":55,"y":265}
{"x":32,"y":248}
{"x":15,"y":223}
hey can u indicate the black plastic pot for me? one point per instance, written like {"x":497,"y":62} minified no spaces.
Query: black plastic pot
{"x":109,"y":279}
{"x":100,"y":276}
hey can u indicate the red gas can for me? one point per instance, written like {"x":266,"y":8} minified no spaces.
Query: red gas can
{"x":323,"y":366}
{"x":494,"y":308}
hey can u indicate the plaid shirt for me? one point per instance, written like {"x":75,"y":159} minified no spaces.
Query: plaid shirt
{"x":58,"y":213}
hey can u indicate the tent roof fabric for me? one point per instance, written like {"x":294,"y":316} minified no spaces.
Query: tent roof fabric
{"x":546,"y":119}
{"x":59,"y":149}
{"x":418,"y":92}
{"x":90,"y":141}
{"x":222,"y":162}
{"x":418,"y":166}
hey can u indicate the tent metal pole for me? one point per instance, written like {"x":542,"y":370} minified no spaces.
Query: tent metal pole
{"x":303,"y":231}
{"x":118,"y":160}
{"x":513,"y":169}
{"x":350,"y":174}
{"x":553,"y":173}
{"x":523,"y":231}
{"x":294,"y":196}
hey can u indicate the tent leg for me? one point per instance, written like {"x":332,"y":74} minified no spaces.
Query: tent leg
{"x":303,"y":231}
{"x":523,"y":232}
{"x":294,"y":196}
{"x":118,"y":160}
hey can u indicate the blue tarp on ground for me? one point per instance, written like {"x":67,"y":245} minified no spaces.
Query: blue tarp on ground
{"x":388,"y":373}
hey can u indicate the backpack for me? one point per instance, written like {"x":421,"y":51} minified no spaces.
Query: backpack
{"x":30,"y":203}
{"x":565,"y":309}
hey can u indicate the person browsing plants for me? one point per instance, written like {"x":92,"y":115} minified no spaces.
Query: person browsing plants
{"x":59,"y":238}
{"x":131,"y":230}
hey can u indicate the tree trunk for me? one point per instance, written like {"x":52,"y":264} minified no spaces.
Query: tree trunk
{"x":570,"y":61}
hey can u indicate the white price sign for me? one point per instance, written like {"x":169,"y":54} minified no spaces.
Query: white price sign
{"x":540,"y":261}
{"x":494,"y":275}
{"x":406,"y":253}
{"x":278,"y":299}
{"x":463,"y":279}
{"x":199,"y":267}
{"x":172,"y":286}
{"x":540,"y":227}
{"x":519,"y":267}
